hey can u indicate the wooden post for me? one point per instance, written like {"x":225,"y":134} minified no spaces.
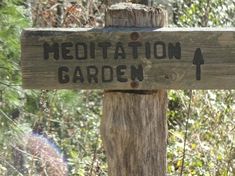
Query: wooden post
{"x":115,"y":1}
{"x":134,"y":124}
{"x":145,"y":2}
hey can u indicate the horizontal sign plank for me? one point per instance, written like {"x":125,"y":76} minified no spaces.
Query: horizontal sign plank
{"x":132,"y":58}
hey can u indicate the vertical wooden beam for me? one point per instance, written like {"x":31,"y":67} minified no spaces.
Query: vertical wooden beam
{"x":134,"y":124}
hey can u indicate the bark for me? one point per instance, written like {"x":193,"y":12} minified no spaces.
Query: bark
{"x":134,"y":125}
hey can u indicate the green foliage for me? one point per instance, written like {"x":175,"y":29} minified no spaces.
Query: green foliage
{"x":210,"y":146}
{"x":211,"y":137}
{"x":12,"y":20}
{"x":203,"y":13}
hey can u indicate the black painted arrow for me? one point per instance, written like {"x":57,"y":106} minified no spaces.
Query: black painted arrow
{"x":198,"y":61}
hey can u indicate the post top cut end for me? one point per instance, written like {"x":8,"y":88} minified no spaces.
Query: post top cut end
{"x":128,"y":6}
{"x":135,"y":15}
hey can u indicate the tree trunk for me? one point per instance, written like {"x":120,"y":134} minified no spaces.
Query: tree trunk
{"x":134,"y":125}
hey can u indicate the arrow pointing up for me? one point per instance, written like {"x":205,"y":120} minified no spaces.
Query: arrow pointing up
{"x":198,"y":61}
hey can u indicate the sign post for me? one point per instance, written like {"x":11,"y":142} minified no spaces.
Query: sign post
{"x":134,"y":59}
{"x":134,"y":124}
{"x":127,"y":58}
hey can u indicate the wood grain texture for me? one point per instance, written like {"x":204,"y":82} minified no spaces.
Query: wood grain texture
{"x":134,"y":133}
{"x":135,"y":15}
{"x":145,"y":2}
{"x":217,"y":45}
{"x":109,"y":3}
{"x":134,"y":127}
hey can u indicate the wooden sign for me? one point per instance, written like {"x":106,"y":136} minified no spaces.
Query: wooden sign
{"x":128,"y":58}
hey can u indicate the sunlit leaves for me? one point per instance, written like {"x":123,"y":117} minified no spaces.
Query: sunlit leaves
{"x":211,"y":135}
{"x":203,"y":13}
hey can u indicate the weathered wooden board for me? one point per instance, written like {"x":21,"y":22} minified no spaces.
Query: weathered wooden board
{"x":133,"y":58}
